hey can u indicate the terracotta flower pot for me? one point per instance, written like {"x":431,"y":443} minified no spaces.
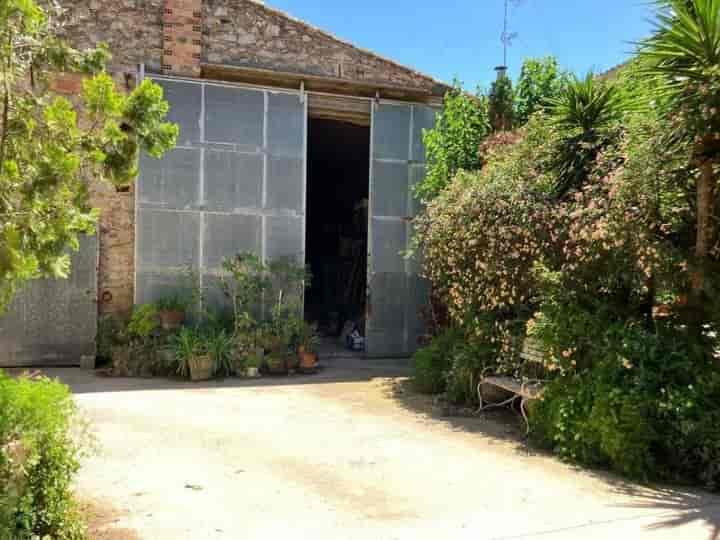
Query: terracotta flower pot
{"x":292,"y":361}
{"x":171,"y":319}
{"x":276,"y":365}
{"x":308,"y":360}
{"x":201,"y":368}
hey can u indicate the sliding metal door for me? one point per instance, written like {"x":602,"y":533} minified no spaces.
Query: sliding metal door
{"x":235,"y":182}
{"x":397,"y":295}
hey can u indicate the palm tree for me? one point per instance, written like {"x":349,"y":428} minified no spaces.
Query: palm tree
{"x":684,"y":54}
{"x":585,"y":111}
{"x":587,"y":104}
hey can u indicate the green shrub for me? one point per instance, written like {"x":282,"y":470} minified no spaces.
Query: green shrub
{"x":584,"y":419}
{"x":40,"y":418}
{"x":463,"y":375}
{"x":111,"y":331}
{"x":468,"y":362}
{"x":144,"y":321}
{"x":452,"y":145}
{"x":433,"y":362}
{"x":175,"y":302}
{"x":646,"y":406}
{"x":454,"y":361}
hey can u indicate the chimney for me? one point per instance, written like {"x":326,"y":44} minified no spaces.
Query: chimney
{"x":182,"y":37}
{"x":501,"y":72}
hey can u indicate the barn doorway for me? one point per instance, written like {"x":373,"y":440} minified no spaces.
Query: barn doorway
{"x":338,"y":163}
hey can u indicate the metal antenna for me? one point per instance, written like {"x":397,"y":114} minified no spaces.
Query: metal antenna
{"x":508,"y":37}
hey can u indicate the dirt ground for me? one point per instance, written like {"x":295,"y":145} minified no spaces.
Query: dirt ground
{"x":348,"y":454}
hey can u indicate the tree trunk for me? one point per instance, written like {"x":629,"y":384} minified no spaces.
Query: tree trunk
{"x":704,"y":240}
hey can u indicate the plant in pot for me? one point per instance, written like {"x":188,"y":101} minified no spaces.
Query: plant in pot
{"x":307,"y":347}
{"x":295,"y":329}
{"x":276,"y":359}
{"x":142,"y":337}
{"x":279,"y":339}
{"x":220,"y":346}
{"x":120,"y":353}
{"x":191,"y":355}
{"x":252,"y":365}
{"x":288,"y":282}
{"x":243,"y":282}
{"x":171,"y":311}
{"x":111,"y":332}
{"x":238,"y":359}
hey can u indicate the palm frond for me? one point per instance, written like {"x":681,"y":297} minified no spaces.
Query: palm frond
{"x":588,"y":104}
{"x":685,"y":42}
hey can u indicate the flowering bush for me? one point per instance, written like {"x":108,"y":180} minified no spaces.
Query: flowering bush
{"x":583,"y":237}
{"x":482,"y":234}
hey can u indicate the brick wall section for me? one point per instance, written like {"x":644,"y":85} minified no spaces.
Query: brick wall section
{"x":116,"y":230}
{"x":246,"y":34}
{"x":116,"y":226}
{"x":182,"y":37}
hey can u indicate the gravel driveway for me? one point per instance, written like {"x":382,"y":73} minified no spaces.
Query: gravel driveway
{"x":343,"y":455}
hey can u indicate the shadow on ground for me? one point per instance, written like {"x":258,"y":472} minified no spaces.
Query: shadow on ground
{"x":500,"y":424}
{"x":671,"y":507}
{"x":676,"y":505}
{"x":335,"y":369}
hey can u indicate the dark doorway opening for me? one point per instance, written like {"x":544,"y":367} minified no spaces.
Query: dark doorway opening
{"x":337,"y":223}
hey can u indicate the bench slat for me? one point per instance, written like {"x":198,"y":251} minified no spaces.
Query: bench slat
{"x":515,"y":386}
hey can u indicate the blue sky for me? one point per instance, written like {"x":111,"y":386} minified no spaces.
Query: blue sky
{"x":462,"y":37}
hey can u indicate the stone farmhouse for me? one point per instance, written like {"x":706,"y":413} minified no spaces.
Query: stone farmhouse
{"x":293,"y":143}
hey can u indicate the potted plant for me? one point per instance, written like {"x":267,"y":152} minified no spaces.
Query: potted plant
{"x":252,"y":365}
{"x":238,"y":360}
{"x":276,"y":359}
{"x":171,"y":311}
{"x":120,"y":355}
{"x":191,"y":356}
{"x":220,"y":348}
{"x":307,"y":354}
{"x":133,"y":344}
{"x":257,"y":350}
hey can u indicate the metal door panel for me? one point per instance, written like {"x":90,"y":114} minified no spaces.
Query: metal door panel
{"x":241,"y":188}
{"x":397,"y":295}
{"x":54,"y":321}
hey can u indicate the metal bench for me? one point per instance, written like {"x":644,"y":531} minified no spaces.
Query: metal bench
{"x":521,"y":389}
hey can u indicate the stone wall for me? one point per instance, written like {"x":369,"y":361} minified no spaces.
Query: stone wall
{"x":132,"y":29}
{"x":246,"y":34}
{"x":241,"y":33}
